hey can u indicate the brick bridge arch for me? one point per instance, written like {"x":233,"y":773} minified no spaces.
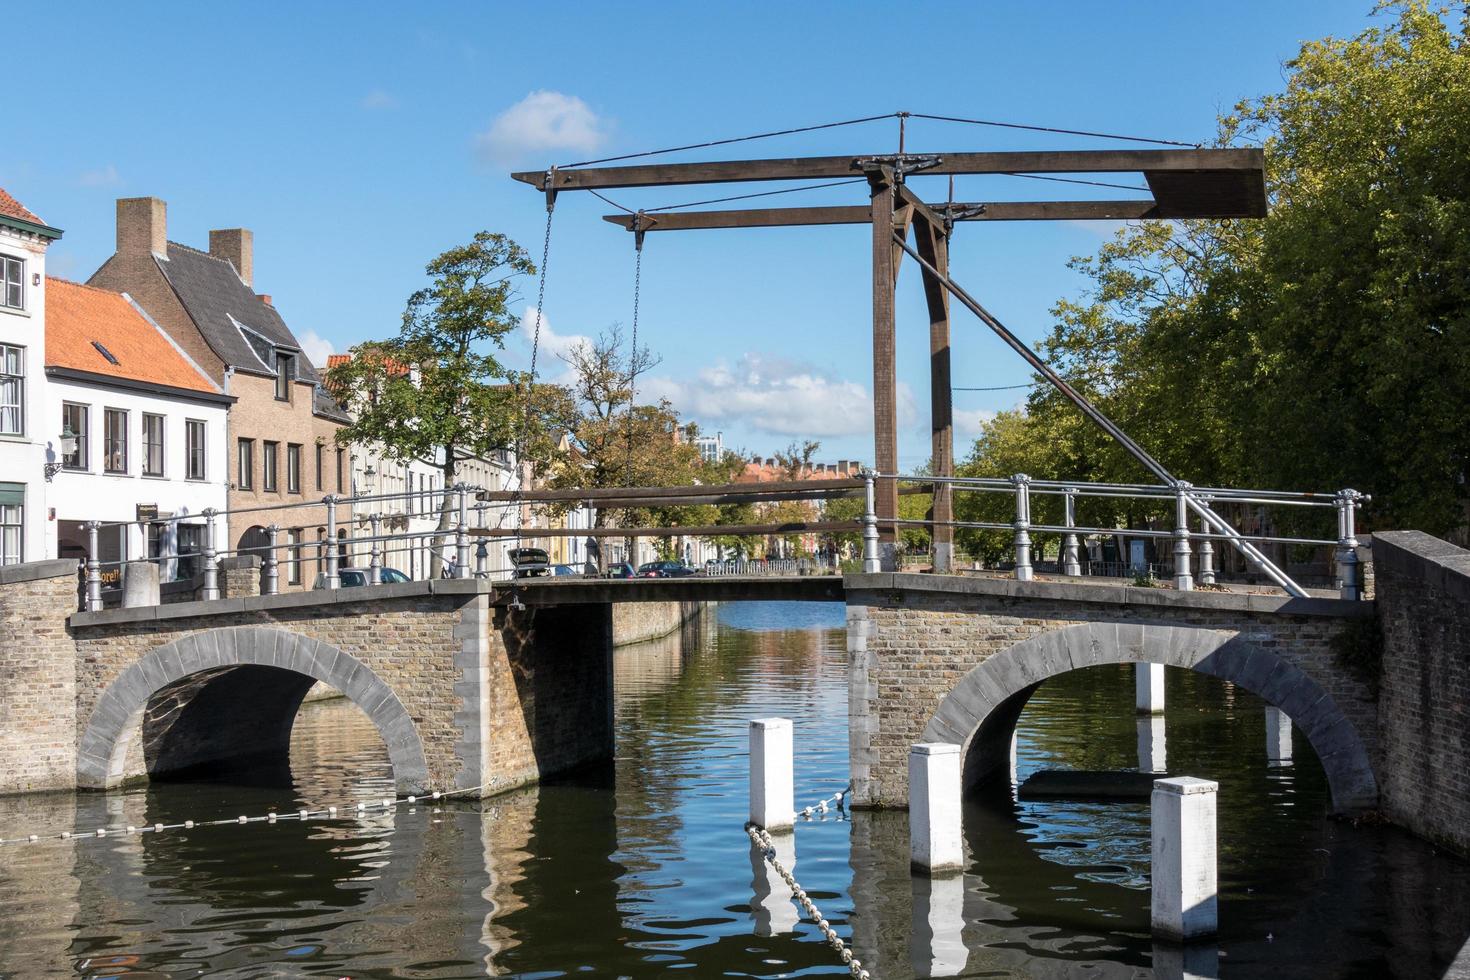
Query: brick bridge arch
{"x":280,"y":666}
{"x":980,"y":713}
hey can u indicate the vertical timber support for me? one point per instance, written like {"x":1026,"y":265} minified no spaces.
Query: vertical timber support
{"x":772,"y":776}
{"x":935,"y":842}
{"x":885,"y":371}
{"x":934,"y":248}
{"x":1184,"y":866}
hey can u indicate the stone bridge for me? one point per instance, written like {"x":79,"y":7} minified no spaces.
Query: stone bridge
{"x":470,"y":687}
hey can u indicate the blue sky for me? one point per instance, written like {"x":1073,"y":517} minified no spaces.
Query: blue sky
{"x":359,"y":140}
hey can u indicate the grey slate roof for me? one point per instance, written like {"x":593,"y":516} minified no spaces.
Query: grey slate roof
{"x":219,"y":303}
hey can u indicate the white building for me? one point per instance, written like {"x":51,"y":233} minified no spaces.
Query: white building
{"x":144,"y":430}
{"x":26,"y":433}
{"x":711,"y":448}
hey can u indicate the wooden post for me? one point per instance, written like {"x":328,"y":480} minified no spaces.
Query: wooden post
{"x":885,"y":373}
{"x":934,"y":247}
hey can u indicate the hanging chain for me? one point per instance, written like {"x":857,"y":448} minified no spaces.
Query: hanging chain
{"x":520,"y":462}
{"x":633,"y":358}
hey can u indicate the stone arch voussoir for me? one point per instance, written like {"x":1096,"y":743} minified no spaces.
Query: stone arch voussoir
{"x":102,"y":749}
{"x":1010,"y":675}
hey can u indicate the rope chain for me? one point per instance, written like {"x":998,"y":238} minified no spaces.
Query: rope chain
{"x":531,"y":383}
{"x":762,"y":840}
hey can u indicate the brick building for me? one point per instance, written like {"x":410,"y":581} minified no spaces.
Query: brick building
{"x":282,"y":427}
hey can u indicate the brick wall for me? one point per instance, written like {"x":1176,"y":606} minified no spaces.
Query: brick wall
{"x":910,"y":647}
{"x":37,"y":677}
{"x":1423,"y":588}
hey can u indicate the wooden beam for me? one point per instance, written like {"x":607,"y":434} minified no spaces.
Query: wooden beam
{"x":666,"y":495}
{"x":932,"y":245}
{"x":885,"y":371}
{"x":861,"y":214}
{"x":1202,"y":162}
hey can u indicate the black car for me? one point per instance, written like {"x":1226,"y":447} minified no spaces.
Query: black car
{"x":665,"y":569}
{"x":621,"y":570}
{"x":530,"y":562}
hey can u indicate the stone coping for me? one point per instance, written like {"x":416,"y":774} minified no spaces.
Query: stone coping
{"x":286,"y":600}
{"x":34,"y":571}
{"x":1435,"y":562}
{"x":1111,"y":595}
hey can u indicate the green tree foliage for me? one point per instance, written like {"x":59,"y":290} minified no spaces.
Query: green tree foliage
{"x":1325,"y":346}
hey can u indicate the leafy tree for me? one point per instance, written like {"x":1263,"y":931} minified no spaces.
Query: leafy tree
{"x":438,"y":392}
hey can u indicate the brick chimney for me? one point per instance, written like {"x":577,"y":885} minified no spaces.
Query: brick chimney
{"x":265,"y":298}
{"x":236,"y":246}
{"x":142,"y":226}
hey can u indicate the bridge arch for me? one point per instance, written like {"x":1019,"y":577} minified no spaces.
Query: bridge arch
{"x":980,"y":713}
{"x":266,"y":652}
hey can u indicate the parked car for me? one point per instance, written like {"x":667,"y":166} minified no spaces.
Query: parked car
{"x":621,"y":570}
{"x":665,"y":569}
{"x":564,"y":570}
{"x":353,"y":577}
{"x":529,"y":562}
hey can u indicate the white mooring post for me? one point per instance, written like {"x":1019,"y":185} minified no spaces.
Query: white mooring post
{"x":1184,"y":872}
{"x":1148,"y":683}
{"x":1278,"y":737}
{"x":772,"y":793}
{"x":935,"y":843}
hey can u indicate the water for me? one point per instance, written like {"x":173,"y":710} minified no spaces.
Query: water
{"x":643,"y":870}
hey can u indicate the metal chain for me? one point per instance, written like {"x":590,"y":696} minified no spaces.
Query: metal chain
{"x":833,"y":802}
{"x":762,"y":840}
{"x":633,"y":363}
{"x":531,"y":383}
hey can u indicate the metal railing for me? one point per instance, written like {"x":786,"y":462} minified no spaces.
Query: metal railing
{"x":1184,"y":498}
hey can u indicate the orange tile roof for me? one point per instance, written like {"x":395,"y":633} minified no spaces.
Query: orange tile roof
{"x":12,"y":208}
{"x":78,"y":315}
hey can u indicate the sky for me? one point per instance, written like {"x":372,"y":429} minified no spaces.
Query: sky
{"x":359,"y":140}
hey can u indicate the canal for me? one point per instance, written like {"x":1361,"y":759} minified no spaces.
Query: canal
{"x":642,"y":870}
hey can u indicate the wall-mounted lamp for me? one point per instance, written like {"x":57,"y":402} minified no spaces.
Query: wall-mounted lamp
{"x":68,"y":447}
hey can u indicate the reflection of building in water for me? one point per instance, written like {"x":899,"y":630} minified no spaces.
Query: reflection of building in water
{"x":505,"y":828}
{"x":38,"y":889}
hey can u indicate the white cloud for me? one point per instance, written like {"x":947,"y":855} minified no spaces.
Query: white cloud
{"x":102,"y":177}
{"x":379,"y":99}
{"x":553,"y":347}
{"x":775,"y":396}
{"x":542,"y":121}
{"x":969,"y":421}
{"x":315,"y":347}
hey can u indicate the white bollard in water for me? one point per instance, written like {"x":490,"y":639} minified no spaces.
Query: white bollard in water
{"x":1278,"y":737}
{"x":1184,"y":872}
{"x":772,"y":793}
{"x":1148,"y":682}
{"x":935,"y":844}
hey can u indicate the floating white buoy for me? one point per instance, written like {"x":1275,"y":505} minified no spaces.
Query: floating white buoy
{"x":244,"y":819}
{"x":303,"y":814}
{"x":34,"y":838}
{"x":132,"y":829}
{"x":413,"y":799}
{"x":101,"y":831}
{"x":331,"y":811}
{"x":387,"y":804}
{"x":188,"y":825}
{"x":158,"y":828}
{"x":66,"y":835}
{"x":270,"y":818}
{"x":436,"y":794}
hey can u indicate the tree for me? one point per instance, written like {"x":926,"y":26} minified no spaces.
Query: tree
{"x":1327,"y":345}
{"x":437,"y":392}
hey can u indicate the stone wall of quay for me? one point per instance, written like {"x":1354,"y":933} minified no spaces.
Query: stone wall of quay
{"x":912,"y":641}
{"x":1423,"y":588}
{"x":38,"y":681}
{"x":634,"y":622}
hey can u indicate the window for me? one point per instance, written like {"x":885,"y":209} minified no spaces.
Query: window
{"x":194,"y":437}
{"x":78,"y":419}
{"x":245,"y":464}
{"x":341,"y":469}
{"x":285,"y":373}
{"x":191,"y":546}
{"x":152,"y":445}
{"x":12,"y":282}
{"x":293,"y":468}
{"x":12,"y":390}
{"x":319,"y":452}
{"x":293,"y":560}
{"x":115,"y":440}
{"x":12,"y":524}
{"x":269,"y":452}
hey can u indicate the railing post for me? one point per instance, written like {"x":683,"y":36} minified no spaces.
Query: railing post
{"x":270,"y":571}
{"x":94,"y":569}
{"x":1071,"y":563}
{"x":331,"y":579}
{"x":1347,"y":544}
{"x":1022,"y":483}
{"x":482,"y":559}
{"x":211,"y":559}
{"x":462,"y":534}
{"x":1206,"y":555}
{"x":375,"y":553}
{"x":871,"y":562}
{"x":1183,"y":580}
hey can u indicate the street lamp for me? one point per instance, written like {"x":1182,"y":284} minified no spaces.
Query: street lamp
{"x":68,"y":446}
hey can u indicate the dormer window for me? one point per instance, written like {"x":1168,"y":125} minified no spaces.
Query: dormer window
{"x":12,"y":282}
{"x":285,"y":374}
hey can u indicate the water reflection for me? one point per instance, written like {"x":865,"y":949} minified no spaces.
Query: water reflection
{"x":638,"y":871}
{"x":1153,"y":746}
